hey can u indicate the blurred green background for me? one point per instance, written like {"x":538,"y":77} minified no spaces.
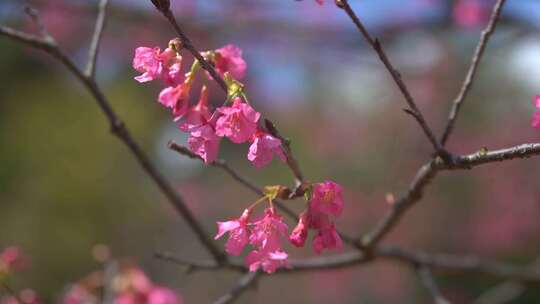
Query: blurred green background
{"x":66,"y":184}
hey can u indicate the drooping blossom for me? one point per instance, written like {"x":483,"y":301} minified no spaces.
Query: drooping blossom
{"x":265,"y":237}
{"x":238,"y":233}
{"x":535,"y":123}
{"x":150,"y":62}
{"x":196,"y":115}
{"x":262,"y":150}
{"x":268,"y":261}
{"x":300,"y":232}
{"x":204,"y":142}
{"x":238,"y":122}
{"x":229,"y":59}
{"x":172,"y":74}
{"x":327,"y":197}
{"x":176,"y":98}
{"x":327,"y":238}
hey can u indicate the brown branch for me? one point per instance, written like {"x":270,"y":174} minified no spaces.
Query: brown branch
{"x":431,"y":285}
{"x":504,"y":292}
{"x":291,"y":160}
{"x":90,"y":70}
{"x":428,"y":172}
{"x":245,"y":282}
{"x":461,"y":263}
{"x":396,"y":76}
{"x":192,"y":265}
{"x":415,"y":192}
{"x":484,"y":156}
{"x":469,"y":79}
{"x":119,"y":129}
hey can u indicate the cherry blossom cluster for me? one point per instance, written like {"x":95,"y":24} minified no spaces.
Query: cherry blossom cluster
{"x":235,"y":119}
{"x":130,"y":286}
{"x":266,"y":233}
{"x":239,"y":122}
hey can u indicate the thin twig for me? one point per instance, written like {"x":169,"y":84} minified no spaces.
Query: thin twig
{"x":90,"y":70}
{"x":506,"y":291}
{"x":485,"y":156}
{"x":34,"y":15}
{"x":396,"y":76}
{"x":461,"y":263}
{"x":415,"y":192}
{"x":431,"y":285}
{"x":119,"y":129}
{"x":198,"y":265}
{"x":243,"y":283}
{"x":503,"y":293}
{"x":291,"y":160}
{"x":468,"y":82}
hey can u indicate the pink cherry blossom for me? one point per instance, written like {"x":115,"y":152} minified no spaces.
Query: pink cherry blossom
{"x":300,"y":232}
{"x":172,"y":75}
{"x":268,"y":261}
{"x":197,"y":115}
{"x":327,"y":197}
{"x":238,"y":233}
{"x":262,"y":150}
{"x":536,"y":116}
{"x":238,"y":122}
{"x":327,"y":238}
{"x":176,"y":98}
{"x":265,"y":236}
{"x":267,"y":231}
{"x":229,"y":59}
{"x":149,"y":61}
{"x":162,"y":295}
{"x":13,"y":259}
{"x":204,"y":142}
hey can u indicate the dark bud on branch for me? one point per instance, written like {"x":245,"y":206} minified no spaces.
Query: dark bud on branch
{"x":162,"y":5}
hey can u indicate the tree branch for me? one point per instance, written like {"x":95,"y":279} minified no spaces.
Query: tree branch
{"x":431,"y":285}
{"x":242,"y":285}
{"x":119,"y":129}
{"x":415,"y":192}
{"x":396,"y":76}
{"x":90,"y":70}
{"x":468,"y":82}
